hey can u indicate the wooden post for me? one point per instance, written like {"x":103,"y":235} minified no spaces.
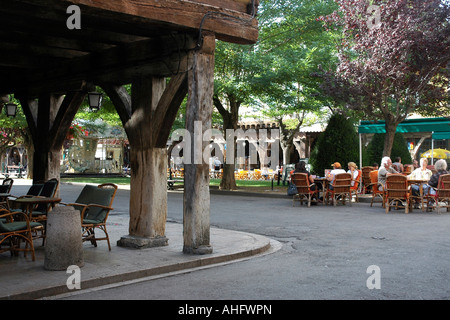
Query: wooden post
{"x":148,"y":196}
{"x":196,"y":210}
{"x":48,"y":120}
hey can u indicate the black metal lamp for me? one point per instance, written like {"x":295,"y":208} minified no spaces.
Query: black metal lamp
{"x":95,"y":100}
{"x":10,"y":109}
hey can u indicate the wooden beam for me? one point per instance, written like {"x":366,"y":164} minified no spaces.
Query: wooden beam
{"x":167,"y":108}
{"x":227,"y":24}
{"x":161,"y":57}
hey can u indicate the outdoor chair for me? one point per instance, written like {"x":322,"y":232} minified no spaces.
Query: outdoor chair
{"x":94,"y":204}
{"x":304,"y":191}
{"x":418,"y":200}
{"x":340,"y":189}
{"x":49,"y":189}
{"x":397,"y":192}
{"x":442,"y":197}
{"x":354,"y":188}
{"x":34,"y":190}
{"x":12,"y":232}
{"x":407,"y":169}
{"x":375,"y":186}
{"x":366,"y":183}
{"x":5,"y":188}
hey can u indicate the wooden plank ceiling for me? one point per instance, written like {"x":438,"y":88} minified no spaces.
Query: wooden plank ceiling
{"x":118,"y":39}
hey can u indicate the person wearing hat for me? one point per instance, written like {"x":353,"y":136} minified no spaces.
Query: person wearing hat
{"x":336,"y":170}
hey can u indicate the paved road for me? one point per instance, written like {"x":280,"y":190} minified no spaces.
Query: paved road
{"x":326,"y":253}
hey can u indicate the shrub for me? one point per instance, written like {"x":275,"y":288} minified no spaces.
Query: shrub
{"x":339,"y":142}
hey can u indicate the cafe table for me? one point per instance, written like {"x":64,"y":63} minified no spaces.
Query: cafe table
{"x":31,"y":202}
{"x":324,"y":181}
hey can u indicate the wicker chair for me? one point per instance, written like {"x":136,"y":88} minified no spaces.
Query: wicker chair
{"x":304,"y":191}
{"x":5,"y":187}
{"x":442,"y":197}
{"x":354,"y":188}
{"x":340,"y":189}
{"x":12,"y":232}
{"x":365,"y":176}
{"x":48,"y":190}
{"x":397,"y":192}
{"x":375,"y":186}
{"x":94,"y":204}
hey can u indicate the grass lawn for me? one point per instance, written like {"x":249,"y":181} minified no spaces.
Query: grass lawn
{"x":245,"y":185}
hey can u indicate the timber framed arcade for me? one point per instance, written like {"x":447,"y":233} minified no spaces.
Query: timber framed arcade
{"x":55,"y":51}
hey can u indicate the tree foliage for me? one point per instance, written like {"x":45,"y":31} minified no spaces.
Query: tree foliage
{"x":393,"y":59}
{"x":339,"y":142}
{"x":375,"y":149}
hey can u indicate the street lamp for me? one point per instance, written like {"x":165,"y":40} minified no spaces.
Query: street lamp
{"x":10,"y":109}
{"x":95,"y":100}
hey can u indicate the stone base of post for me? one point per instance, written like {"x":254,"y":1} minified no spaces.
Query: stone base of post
{"x":199,"y":250}
{"x":142,"y":242}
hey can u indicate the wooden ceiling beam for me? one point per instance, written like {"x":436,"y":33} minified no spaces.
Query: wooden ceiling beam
{"x":226,"y":24}
{"x":163,"y":57}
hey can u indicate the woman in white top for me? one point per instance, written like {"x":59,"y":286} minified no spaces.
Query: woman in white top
{"x":353,"y":169}
{"x":421,"y":173}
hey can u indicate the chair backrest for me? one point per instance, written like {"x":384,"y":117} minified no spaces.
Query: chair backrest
{"x":357,"y":180}
{"x":397,"y":186}
{"x":342,"y":182}
{"x":6,"y":185}
{"x":408,"y":168}
{"x":373,"y":176}
{"x":48,"y":190}
{"x":443,"y":190}
{"x":301,"y":182}
{"x":102,"y":194}
{"x":365,"y":174}
{"x":35,"y":189}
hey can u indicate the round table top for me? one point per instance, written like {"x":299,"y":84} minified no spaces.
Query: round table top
{"x":38,"y":200}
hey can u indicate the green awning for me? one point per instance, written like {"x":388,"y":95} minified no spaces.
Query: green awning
{"x":436,"y":125}
{"x":441,"y":135}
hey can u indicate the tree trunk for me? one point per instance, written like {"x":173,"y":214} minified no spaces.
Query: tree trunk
{"x":230,"y":121}
{"x":391,"y":124}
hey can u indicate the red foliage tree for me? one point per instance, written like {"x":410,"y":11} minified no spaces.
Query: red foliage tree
{"x":394,"y":59}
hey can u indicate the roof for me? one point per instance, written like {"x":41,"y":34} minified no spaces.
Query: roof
{"x":441,"y":125}
{"x":48,"y":47}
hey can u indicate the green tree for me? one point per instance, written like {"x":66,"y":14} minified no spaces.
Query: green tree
{"x":376,"y":146}
{"x":338,"y":143}
{"x":393,"y":59}
{"x":291,"y":48}
{"x":14,"y":131}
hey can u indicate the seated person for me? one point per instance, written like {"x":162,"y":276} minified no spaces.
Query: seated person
{"x":398,"y":164}
{"x":353,"y":169}
{"x":385,"y":170}
{"x":336,"y":170}
{"x":301,"y":168}
{"x":441,"y":168}
{"x":421,"y":173}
